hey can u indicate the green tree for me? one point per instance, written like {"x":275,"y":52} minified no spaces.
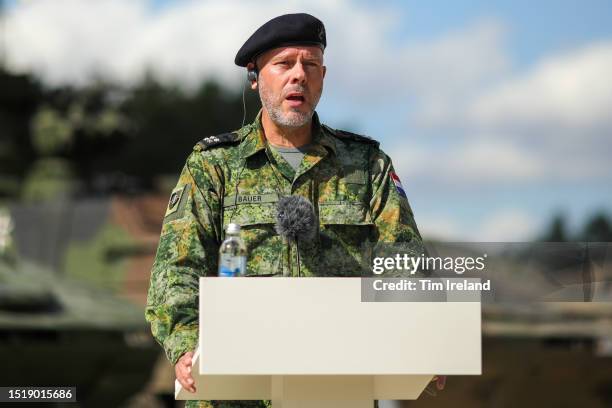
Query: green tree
{"x":557,"y":231}
{"x":70,"y":129}
{"x":168,"y":122}
{"x":101,"y":139}
{"x":19,"y":99}
{"x":597,"y":229}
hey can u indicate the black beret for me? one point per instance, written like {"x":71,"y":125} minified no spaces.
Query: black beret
{"x":288,"y":29}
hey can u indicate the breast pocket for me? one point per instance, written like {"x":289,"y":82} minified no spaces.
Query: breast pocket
{"x":346,"y":228}
{"x":257,"y":221}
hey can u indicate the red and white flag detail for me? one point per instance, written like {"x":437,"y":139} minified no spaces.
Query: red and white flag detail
{"x":398,"y":183}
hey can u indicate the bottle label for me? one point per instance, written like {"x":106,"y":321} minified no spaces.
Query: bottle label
{"x":232,"y":265}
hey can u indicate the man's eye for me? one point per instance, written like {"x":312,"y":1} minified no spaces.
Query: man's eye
{"x":282,"y":63}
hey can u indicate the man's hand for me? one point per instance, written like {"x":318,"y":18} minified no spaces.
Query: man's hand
{"x":440,"y":381}
{"x":182,"y":369}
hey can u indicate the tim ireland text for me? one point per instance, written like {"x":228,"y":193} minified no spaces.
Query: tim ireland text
{"x":442,"y":284}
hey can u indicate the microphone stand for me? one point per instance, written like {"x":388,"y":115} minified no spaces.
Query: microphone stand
{"x":297,"y":249}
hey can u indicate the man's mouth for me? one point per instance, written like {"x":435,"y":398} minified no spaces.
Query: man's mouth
{"x":295,"y":98}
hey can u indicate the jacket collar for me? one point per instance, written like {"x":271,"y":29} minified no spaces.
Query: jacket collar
{"x":255,"y":140}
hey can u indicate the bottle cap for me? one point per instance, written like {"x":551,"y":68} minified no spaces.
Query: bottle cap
{"x":233,"y":229}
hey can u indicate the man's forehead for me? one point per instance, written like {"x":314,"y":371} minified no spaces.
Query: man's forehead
{"x":309,"y":51}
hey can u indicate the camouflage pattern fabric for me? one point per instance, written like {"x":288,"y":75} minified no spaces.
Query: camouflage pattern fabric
{"x":238,"y":178}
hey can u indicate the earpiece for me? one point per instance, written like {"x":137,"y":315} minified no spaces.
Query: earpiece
{"x":252,"y":74}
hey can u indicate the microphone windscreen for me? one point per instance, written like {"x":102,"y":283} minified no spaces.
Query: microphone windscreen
{"x":295,"y":219}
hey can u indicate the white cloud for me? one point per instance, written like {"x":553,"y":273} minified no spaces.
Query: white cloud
{"x":498,"y":160}
{"x":486,"y":161}
{"x":69,"y":41}
{"x":367,"y":65}
{"x":564,"y":96}
{"x":501,"y":225}
{"x":549,"y":123}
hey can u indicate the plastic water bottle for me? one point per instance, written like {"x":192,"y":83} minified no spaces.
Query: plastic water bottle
{"x":233,"y":253}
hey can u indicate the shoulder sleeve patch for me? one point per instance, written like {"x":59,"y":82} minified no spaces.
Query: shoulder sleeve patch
{"x":212,"y":141}
{"x":398,"y":184}
{"x":177,"y":201}
{"x":343,"y":134}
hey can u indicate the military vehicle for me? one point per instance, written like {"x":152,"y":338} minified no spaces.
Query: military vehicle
{"x":56,"y":331}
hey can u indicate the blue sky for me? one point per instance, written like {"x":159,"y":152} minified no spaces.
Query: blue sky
{"x":496,"y":114}
{"x":538,"y":27}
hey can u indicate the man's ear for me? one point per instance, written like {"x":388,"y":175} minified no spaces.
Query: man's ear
{"x":324,"y":70}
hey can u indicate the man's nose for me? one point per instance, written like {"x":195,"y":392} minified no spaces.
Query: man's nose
{"x":298,"y":75}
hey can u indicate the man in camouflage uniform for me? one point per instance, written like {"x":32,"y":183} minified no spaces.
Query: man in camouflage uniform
{"x":238,"y":177}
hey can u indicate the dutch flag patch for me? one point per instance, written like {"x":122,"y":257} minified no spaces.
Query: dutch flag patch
{"x":398,"y":184}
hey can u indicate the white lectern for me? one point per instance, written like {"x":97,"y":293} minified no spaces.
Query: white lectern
{"x":312,"y":342}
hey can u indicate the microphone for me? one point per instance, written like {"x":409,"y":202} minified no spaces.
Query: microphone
{"x":296,"y":221}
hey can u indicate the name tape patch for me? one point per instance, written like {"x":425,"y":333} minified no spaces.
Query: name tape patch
{"x":232,"y":200}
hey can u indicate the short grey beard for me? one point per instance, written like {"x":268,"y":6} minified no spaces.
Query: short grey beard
{"x":297,"y":120}
{"x":275,"y":112}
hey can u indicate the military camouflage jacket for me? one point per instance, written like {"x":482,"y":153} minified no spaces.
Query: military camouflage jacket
{"x":237,"y":178}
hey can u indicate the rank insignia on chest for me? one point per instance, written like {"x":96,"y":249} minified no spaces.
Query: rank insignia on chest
{"x":398,"y":184}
